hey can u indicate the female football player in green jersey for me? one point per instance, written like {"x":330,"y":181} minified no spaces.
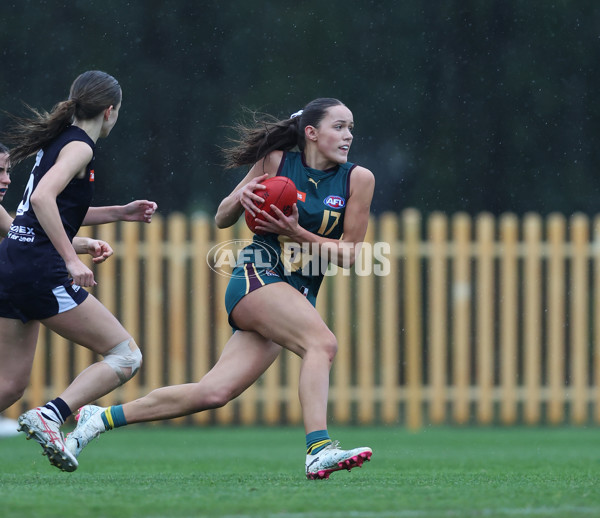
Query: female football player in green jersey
{"x":271,"y":305}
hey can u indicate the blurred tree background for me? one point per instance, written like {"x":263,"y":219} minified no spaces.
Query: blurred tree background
{"x":458,"y":105}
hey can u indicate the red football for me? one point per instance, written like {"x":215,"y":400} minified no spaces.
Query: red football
{"x":281,"y":192}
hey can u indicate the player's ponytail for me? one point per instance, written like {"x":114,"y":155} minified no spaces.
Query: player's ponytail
{"x":258,"y":139}
{"x":91,"y":93}
{"x":267,"y":133}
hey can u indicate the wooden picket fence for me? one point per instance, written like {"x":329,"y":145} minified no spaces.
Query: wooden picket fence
{"x":455,"y":320}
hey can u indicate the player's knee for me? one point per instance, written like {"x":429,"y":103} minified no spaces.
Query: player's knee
{"x":323,"y":346}
{"x":218,"y":397}
{"x":329,"y":345}
{"x":125,"y":359}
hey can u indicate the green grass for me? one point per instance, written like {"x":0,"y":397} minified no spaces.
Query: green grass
{"x":258,"y":472}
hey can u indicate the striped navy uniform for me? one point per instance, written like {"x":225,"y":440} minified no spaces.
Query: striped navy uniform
{"x":30,"y":266}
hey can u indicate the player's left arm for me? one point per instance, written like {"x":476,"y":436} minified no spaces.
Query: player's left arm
{"x":138,"y":210}
{"x":358,"y":211}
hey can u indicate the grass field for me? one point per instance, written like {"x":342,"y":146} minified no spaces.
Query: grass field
{"x":258,"y":472}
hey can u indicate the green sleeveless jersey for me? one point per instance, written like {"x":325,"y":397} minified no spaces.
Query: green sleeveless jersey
{"x":322,"y":197}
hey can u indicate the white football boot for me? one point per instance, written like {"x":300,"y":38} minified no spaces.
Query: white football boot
{"x":47,"y":432}
{"x":89,"y":426}
{"x":332,"y":458}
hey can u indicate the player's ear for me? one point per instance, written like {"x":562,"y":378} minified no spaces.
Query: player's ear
{"x":310,"y":133}
{"x":107,"y":112}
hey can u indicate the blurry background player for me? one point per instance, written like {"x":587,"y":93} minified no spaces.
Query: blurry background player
{"x":41,"y":277}
{"x":272,"y":306}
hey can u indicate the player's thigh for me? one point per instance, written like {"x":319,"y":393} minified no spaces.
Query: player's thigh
{"x":282,"y":314}
{"x":17,"y":348}
{"x":89,"y":324}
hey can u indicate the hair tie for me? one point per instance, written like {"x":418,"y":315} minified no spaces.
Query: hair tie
{"x":297,"y":114}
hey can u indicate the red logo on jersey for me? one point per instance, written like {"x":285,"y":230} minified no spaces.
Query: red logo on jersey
{"x":301,"y":196}
{"x":91,"y":175}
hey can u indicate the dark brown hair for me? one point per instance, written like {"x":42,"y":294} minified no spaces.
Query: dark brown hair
{"x":267,"y":133}
{"x":91,"y":93}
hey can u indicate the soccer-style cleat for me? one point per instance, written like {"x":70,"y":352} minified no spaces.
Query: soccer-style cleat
{"x":332,"y":458}
{"x":47,"y":432}
{"x":89,"y":426}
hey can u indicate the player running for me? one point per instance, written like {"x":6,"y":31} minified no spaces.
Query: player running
{"x":42,"y":280}
{"x":272,"y":306}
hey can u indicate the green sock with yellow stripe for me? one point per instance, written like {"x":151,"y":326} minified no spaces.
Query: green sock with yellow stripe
{"x":113,"y":417}
{"x":316,"y":441}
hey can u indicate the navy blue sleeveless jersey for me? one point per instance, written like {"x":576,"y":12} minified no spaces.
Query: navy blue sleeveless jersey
{"x":28,"y":260}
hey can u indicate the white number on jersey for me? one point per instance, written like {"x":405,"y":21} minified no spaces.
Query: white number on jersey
{"x":24,"y":205}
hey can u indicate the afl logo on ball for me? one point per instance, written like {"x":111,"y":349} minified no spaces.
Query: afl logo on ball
{"x":335,"y":202}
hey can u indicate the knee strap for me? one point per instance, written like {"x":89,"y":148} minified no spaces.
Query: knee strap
{"x":126,"y":355}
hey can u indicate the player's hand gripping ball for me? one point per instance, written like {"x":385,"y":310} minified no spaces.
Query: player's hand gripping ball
{"x":281,"y":192}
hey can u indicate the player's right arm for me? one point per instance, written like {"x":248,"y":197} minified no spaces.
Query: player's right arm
{"x":243,"y":197}
{"x":71,"y":162}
